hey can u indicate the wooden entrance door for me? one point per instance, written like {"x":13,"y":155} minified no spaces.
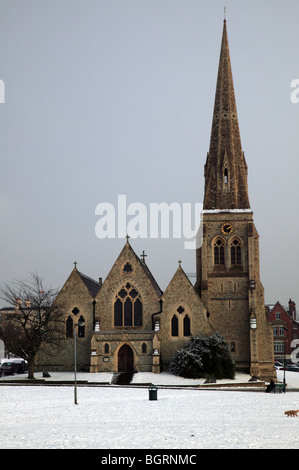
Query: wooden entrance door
{"x":125,"y":359}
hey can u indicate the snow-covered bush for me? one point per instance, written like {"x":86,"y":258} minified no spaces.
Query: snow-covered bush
{"x":203,"y":356}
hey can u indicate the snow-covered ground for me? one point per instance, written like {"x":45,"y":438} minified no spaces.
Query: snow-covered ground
{"x":164,"y":378}
{"x":124,"y":417}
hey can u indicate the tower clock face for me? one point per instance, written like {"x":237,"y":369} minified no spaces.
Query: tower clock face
{"x":227,"y":228}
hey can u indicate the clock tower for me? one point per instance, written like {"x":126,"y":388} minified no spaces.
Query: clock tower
{"x":228,"y":274}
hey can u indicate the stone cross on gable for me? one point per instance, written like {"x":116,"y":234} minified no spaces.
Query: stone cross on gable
{"x":143,"y":256}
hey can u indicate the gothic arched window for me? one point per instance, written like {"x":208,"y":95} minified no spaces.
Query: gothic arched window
{"x":236,"y":253}
{"x":219,"y":252}
{"x":128,"y":312}
{"x":118,"y":313}
{"x":186,"y":326}
{"x":138,"y":312}
{"x":81,"y":327}
{"x":128,"y":307}
{"x":174,"y":326}
{"x":69,"y":328}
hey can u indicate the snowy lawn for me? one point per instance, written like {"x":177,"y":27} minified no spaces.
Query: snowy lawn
{"x":124,"y":418}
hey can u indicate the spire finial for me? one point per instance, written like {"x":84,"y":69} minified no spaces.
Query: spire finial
{"x":224,"y":13}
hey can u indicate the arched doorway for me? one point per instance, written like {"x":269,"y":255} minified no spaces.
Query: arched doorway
{"x":125,"y":359}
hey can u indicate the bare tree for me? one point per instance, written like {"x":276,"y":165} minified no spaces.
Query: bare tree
{"x":35,"y":322}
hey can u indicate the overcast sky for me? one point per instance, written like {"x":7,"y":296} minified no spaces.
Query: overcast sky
{"x":115,"y":97}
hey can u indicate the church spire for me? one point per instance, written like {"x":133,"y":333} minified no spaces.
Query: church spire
{"x":225,"y":169}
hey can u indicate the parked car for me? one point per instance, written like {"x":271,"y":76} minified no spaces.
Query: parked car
{"x":292,"y":368}
{"x":7,"y":368}
{"x":13,"y":366}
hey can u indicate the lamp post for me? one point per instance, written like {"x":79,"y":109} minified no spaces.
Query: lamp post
{"x":80,"y":323}
{"x":254,"y":365}
{"x":284,"y":361}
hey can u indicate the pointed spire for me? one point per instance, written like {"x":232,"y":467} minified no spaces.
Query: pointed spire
{"x":225,"y":169}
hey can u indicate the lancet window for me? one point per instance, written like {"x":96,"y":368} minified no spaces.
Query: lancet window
{"x":236,"y":253}
{"x":69,"y":327}
{"x":81,"y":327}
{"x":180,"y":326}
{"x":219,"y":252}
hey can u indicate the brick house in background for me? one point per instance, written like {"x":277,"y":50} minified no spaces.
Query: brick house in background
{"x":285,"y":329}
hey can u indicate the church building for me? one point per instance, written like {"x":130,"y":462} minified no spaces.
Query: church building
{"x":127,"y":324}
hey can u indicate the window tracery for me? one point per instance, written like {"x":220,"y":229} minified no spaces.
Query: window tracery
{"x":128,"y":307}
{"x":236,"y":253}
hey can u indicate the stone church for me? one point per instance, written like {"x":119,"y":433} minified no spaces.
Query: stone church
{"x":126,"y":323}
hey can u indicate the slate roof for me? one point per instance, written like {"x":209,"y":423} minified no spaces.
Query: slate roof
{"x":92,"y":285}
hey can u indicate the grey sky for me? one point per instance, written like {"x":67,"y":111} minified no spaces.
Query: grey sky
{"x":109,"y":97}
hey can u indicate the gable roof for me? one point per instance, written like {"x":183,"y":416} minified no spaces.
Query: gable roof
{"x":179,"y":273}
{"x":147,"y":271}
{"x":123,"y":254}
{"x":181,"y":285}
{"x":92,"y":285}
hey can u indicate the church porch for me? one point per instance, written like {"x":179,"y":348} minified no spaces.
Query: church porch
{"x":124,"y":351}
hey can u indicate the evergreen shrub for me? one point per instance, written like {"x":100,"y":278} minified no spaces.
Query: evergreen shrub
{"x":203,"y":356}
